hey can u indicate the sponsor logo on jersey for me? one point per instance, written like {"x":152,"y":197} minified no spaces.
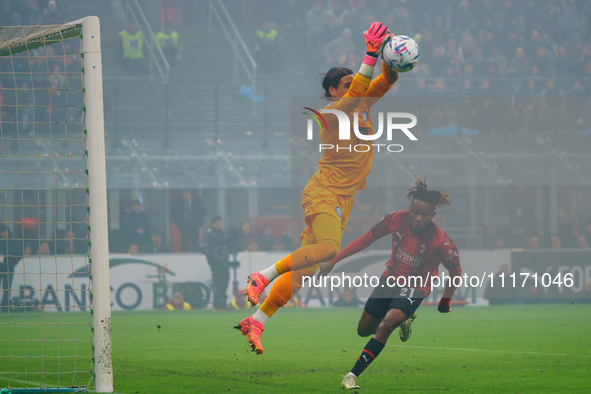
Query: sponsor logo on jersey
{"x":407,"y":258}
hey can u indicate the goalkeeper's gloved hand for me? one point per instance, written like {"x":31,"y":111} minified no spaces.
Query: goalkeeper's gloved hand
{"x":376,"y":37}
{"x":444,"y":305}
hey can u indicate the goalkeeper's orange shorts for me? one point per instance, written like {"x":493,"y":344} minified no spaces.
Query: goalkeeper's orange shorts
{"x":317,"y":200}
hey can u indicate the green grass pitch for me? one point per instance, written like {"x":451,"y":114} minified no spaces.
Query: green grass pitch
{"x":518,"y":348}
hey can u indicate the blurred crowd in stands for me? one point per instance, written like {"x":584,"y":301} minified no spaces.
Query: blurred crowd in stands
{"x":30,"y":13}
{"x":492,"y":38}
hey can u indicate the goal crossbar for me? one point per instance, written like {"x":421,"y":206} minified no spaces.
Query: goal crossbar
{"x":16,"y":39}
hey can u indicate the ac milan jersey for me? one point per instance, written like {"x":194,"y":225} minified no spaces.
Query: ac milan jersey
{"x":416,"y":254}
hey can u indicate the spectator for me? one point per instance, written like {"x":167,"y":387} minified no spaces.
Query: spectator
{"x":498,"y":295}
{"x":6,"y":13}
{"x":519,"y":66}
{"x":177,"y":303}
{"x":51,"y":14}
{"x":555,"y":242}
{"x":491,"y":239}
{"x":135,"y":226}
{"x":543,"y":63}
{"x":157,"y":246}
{"x":218,"y":258}
{"x":516,"y":239}
{"x":285,"y":242}
{"x":132,"y":42}
{"x":458,"y":214}
{"x":266,"y":240}
{"x":133,"y":249}
{"x":31,"y":13}
{"x":266,"y":48}
{"x":242,"y":239}
{"x":582,"y":242}
{"x":533,"y":242}
{"x":587,"y":231}
{"x":543,"y":237}
{"x":57,"y":80}
{"x":336,"y":19}
{"x":337,"y":51}
{"x":347,"y":299}
{"x":239,"y":301}
{"x":553,"y":106}
{"x":188,"y":214}
{"x":45,"y":249}
{"x":68,"y":244}
{"x":168,"y":41}
{"x":315,"y":25}
{"x":570,"y":236}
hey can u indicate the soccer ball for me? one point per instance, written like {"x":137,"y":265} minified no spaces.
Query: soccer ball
{"x":401,"y":53}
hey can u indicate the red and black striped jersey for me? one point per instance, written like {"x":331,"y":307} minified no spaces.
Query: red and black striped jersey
{"x":416,"y":254}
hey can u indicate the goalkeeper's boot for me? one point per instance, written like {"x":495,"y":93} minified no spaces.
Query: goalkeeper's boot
{"x":256,"y":283}
{"x":349,"y":382}
{"x":252,"y":330}
{"x":406,"y":328}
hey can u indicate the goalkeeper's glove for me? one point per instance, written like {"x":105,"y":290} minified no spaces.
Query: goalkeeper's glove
{"x":376,"y":38}
{"x":444,"y":305}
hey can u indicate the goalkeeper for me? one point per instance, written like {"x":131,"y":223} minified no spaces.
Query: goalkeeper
{"x":328,"y":196}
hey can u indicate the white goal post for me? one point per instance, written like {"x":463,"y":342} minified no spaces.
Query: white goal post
{"x":25,"y":349}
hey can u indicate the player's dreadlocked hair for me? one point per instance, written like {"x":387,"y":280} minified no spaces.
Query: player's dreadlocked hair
{"x":437,"y":198}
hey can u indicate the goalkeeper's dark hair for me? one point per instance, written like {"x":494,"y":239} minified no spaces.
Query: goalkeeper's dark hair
{"x":332,"y":78}
{"x":437,"y":198}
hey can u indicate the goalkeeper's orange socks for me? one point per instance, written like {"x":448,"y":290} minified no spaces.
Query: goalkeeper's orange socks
{"x":369,"y":353}
{"x":303,"y":257}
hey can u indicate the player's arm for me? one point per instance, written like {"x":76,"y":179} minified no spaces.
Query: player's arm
{"x":375,"y":37}
{"x":452,"y":264}
{"x":356,"y":246}
{"x":380,"y":86}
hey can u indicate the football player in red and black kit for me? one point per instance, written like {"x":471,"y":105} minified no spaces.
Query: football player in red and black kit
{"x":418,"y":247}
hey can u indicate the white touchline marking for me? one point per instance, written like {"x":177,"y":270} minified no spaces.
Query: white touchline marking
{"x":467,"y":349}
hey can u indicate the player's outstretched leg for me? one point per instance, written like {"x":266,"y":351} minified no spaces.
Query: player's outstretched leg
{"x":406,"y":328}
{"x":252,"y":330}
{"x":326,"y":230}
{"x":286,"y":286}
{"x":390,"y":322}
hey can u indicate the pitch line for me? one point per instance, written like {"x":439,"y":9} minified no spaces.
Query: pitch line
{"x":467,"y":349}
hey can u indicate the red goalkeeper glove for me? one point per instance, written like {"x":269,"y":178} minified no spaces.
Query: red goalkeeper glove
{"x":444,"y":305}
{"x":376,"y":37}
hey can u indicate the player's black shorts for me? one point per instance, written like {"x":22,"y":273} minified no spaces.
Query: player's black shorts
{"x":383,"y":298}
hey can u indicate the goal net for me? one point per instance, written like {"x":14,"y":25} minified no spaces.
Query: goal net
{"x":54,"y":268}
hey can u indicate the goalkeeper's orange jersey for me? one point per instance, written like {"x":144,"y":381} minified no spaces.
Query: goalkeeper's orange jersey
{"x":343,"y":170}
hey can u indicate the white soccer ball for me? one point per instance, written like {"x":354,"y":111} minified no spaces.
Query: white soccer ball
{"x":401,"y":53}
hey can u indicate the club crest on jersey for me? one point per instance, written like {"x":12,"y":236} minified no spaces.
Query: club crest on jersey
{"x":339,"y":211}
{"x":422,"y":248}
